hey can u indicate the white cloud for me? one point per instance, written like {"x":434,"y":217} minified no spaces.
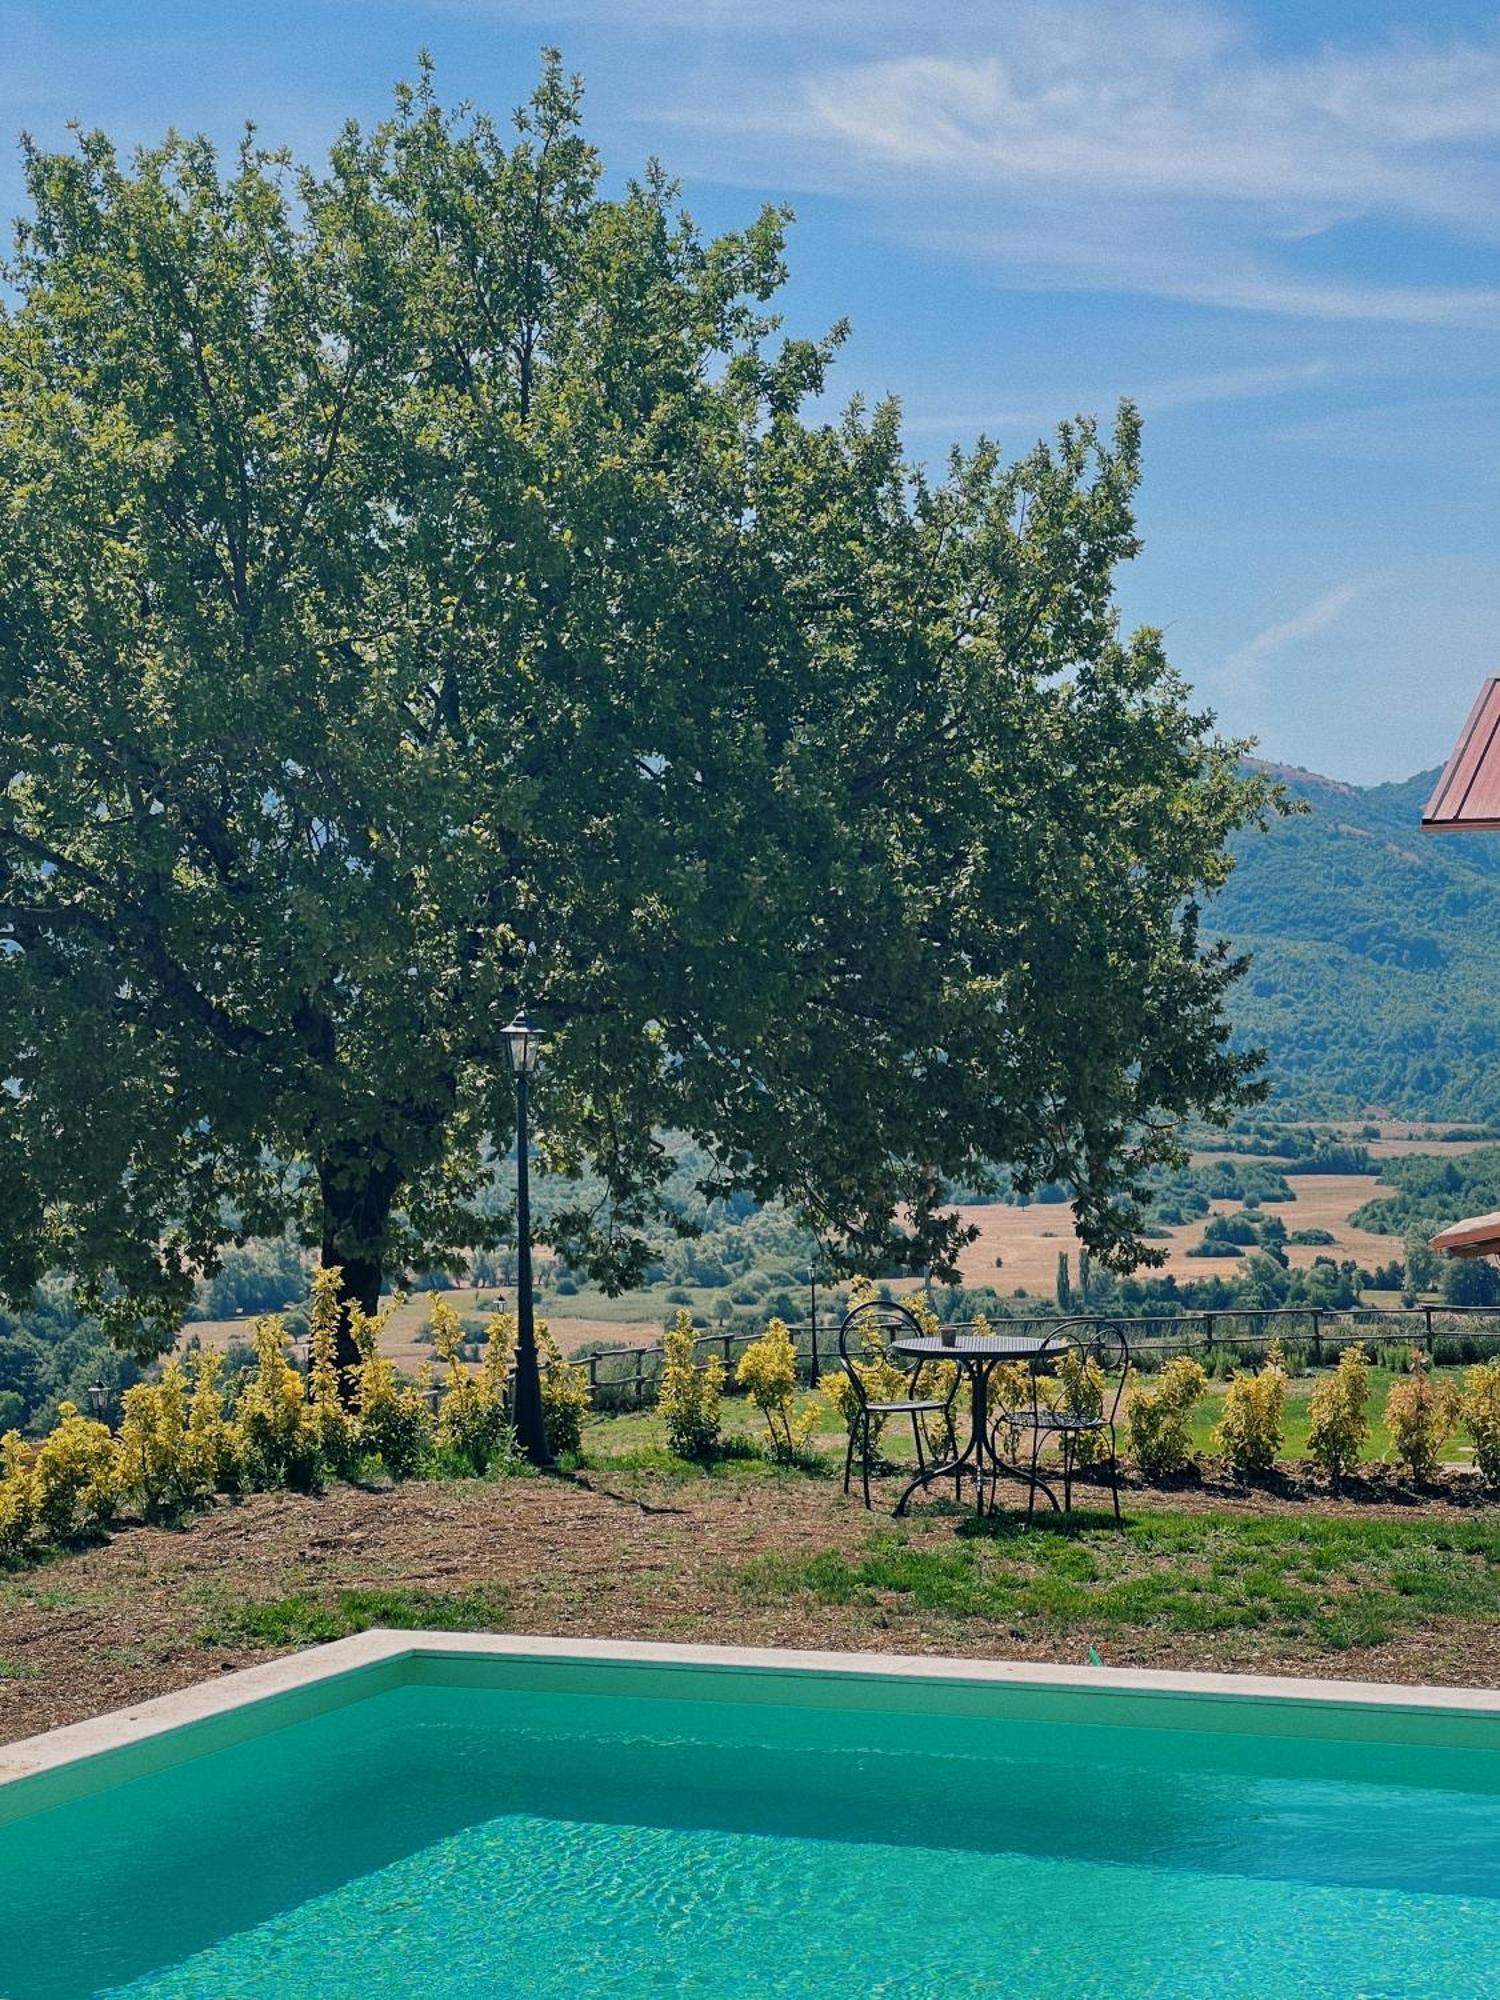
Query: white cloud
{"x":1145,"y":145}
{"x":1304,"y":624}
{"x":1207,"y":260}
{"x":1142,"y":103}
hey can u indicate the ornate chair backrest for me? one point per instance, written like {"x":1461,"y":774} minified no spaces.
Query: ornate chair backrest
{"x":869,"y":1330}
{"x":1098,"y":1341}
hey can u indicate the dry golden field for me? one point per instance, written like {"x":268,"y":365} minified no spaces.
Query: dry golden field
{"x":1026,"y":1241}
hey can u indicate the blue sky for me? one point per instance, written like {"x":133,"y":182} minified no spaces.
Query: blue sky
{"x":1275,"y":224}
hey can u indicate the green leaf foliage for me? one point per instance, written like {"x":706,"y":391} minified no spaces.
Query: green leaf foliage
{"x":425,"y":589}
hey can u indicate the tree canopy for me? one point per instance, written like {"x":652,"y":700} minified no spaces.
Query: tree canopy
{"x":428,"y":586}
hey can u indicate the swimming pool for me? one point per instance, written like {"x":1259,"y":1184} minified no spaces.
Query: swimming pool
{"x":436,"y":1815}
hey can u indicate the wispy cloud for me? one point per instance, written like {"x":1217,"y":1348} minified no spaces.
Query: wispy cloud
{"x":1304,"y":624}
{"x":1133,"y":145}
{"x":1202,"y":258}
{"x":1151,"y":102}
{"x":1181,"y":392}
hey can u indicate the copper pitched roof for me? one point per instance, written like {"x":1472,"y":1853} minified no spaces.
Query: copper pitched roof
{"x":1475,"y":1236}
{"x":1468,"y":793}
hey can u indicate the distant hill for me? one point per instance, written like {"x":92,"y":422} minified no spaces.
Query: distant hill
{"x":1376,"y":975}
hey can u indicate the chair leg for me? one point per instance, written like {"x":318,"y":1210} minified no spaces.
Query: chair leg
{"x":1036,"y":1446}
{"x":849,"y":1457}
{"x":1114,"y":1476}
{"x":1067,"y":1445}
{"x":916,"y":1438}
{"x":865,"y":1461}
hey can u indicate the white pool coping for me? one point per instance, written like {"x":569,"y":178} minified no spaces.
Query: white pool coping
{"x":124,"y":1727}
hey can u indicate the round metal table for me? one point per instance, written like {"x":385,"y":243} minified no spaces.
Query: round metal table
{"x":978,"y":1355}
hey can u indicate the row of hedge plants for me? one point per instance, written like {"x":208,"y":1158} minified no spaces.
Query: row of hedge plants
{"x":181,"y":1441}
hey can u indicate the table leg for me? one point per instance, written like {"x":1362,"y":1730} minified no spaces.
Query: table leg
{"x":973,"y":1451}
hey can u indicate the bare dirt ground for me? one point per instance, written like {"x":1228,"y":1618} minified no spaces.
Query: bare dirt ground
{"x":608,"y":1553}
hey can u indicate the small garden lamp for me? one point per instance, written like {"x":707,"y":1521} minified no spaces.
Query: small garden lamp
{"x":525,"y":1045}
{"x":98,"y":1400}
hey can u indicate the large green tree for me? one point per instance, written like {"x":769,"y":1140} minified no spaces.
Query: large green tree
{"x":424,"y":590}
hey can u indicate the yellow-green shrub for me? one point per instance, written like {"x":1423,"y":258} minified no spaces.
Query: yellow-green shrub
{"x":335,"y":1436}
{"x":274,"y":1440}
{"x":1250,"y":1431}
{"x":688,"y":1395}
{"x":17,"y":1495}
{"x":75,"y":1479}
{"x":471,"y":1424}
{"x":565,"y":1396}
{"x":1157,"y":1418}
{"x":1420,"y":1415}
{"x":1481,"y":1412}
{"x":1338,"y":1425}
{"x":1013,"y":1393}
{"x":1082,"y":1386}
{"x":768,"y":1374}
{"x":153,"y":1460}
{"x":395,"y":1424}
{"x":936,"y":1381}
{"x":500,"y":1337}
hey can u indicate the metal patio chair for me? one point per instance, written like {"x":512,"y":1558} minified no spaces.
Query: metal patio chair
{"x":1057,"y":1409}
{"x":866,"y":1333}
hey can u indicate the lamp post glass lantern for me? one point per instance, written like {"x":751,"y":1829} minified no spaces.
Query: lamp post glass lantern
{"x":525,"y":1045}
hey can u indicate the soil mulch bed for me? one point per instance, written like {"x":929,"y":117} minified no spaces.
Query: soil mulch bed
{"x":1301,"y":1481}
{"x":608,"y":1554}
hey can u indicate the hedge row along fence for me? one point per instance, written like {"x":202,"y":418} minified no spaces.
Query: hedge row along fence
{"x":629,"y":1378}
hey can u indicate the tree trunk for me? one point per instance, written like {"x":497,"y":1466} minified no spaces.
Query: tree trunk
{"x":358,"y":1190}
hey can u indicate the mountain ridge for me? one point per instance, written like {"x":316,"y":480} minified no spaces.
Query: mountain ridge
{"x":1375,"y":975}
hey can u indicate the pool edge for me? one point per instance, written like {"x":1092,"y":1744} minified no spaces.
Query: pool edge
{"x":321,"y":1669}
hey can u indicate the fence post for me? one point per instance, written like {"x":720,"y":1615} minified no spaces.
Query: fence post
{"x":1208,"y":1328}
{"x":814,"y":1366}
{"x":1317,"y":1320}
{"x":1427,"y":1315}
{"x":728,"y":1340}
{"x":593,"y":1360}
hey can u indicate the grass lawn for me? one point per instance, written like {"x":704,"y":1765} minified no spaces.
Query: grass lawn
{"x":1329,"y":1582}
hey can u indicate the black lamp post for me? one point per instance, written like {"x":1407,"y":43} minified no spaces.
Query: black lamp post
{"x":814,"y":1364}
{"x":98,"y":1400}
{"x":525,"y":1044}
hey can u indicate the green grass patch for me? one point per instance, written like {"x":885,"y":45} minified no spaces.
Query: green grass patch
{"x":305,"y":1619}
{"x":1334,"y":1582}
{"x":13,"y":1670}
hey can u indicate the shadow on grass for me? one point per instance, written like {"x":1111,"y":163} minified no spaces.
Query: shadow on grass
{"x":1019,"y":1526}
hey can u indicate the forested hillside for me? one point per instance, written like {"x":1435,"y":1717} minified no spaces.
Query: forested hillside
{"x":1376,"y":975}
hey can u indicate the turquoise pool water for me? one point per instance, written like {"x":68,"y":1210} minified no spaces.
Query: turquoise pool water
{"x":518,"y":1832}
